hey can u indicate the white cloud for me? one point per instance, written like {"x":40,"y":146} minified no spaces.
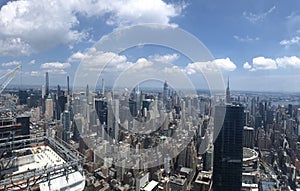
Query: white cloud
{"x":262,"y":63}
{"x":55,"y":65}
{"x":32,"y":62}
{"x":31,"y":25}
{"x":142,"y":11}
{"x":245,"y":39}
{"x":223,"y":64}
{"x":247,"y":66}
{"x":39,"y":23}
{"x":294,"y":40}
{"x":12,"y":63}
{"x":288,"y":62}
{"x":254,"y":18}
{"x":96,"y":61}
{"x":76,"y":57}
{"x":36,"y":74}
{"x":14,"y":46}
{"x":168,"y":58}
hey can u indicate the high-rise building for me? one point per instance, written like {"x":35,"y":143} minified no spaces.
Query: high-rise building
{"x":228,"y":148}
{"x":68,"y":85}
{"x":228,"y":98}
{"x":113,"y":119}
{"x":248,"y":137}
{"x":165,"y":92}
{"x":101,"y":109}
{"x":103,"y":88}
{"x":66,"y":126}
{"x":47,"y":84}
{"x":49,"y":108}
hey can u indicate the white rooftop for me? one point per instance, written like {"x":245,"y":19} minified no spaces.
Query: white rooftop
{"x":151,"y":185}
{"x":75,"y":182}
{"x":42,"y":156}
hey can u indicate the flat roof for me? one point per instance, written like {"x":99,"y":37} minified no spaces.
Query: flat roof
{"x":204,"y":177}
{"x":249,"y":154}
{"x":151,"y":185}
{"x":75,"y":182}
{"x":186,"y":170}
{"x":41,"y":156}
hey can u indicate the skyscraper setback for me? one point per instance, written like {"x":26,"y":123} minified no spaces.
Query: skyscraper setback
{"x":228,"y":148}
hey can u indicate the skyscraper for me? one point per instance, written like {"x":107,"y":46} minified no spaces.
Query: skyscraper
{"x":49,"y":108}
{"x":228,"y":148}
{"x":165,"y":92}
{"x":66,"y":126}
{"x":113,"y":119}
{"x":228,"y":99}
{"x":47,"y":84}
{"x":68,"y":85}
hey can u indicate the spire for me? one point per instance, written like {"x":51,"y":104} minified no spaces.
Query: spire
{"x":87,"y":93}
{"x":228,"y":82}
{"x":103,"y":87}
{"x":228,"y":99}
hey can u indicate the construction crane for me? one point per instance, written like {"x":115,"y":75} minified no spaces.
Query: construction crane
{"x":10,"y":76}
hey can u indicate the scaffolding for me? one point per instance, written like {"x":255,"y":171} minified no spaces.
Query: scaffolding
{"x":30,"y":179}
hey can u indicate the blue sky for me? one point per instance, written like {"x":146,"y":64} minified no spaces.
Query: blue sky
{"x":256,"y":43}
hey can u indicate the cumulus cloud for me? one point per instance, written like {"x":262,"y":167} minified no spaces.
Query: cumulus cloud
{"x":93,"y":60}
{"x":254,"y":18}
{"x":76,"y":57}
{"x":288,"y":62}
{"x":294,"y":40}
{"x":55,"y":67}
{"x":39,"y":23}
{"x":141,"y":11}
{"x":168,"y":58}
{"x":31,"y":25}
{"x":247,"y":66}
{"x":14,"y":46}
{"x":12,"y":63}
{"x":262,"y":63}
{"x":58,"y":65}
{"x":223,"y":64}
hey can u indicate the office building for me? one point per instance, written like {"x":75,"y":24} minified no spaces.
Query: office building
{"x":228,"y":148}
{"x":47,"y":84}
{"x":49,"y":108}
{"x":66,"y":126}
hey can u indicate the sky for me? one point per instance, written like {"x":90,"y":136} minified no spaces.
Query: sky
{"x":255,"y":43}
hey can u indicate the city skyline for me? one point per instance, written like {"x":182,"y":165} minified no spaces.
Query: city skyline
{"x":237,"y":36}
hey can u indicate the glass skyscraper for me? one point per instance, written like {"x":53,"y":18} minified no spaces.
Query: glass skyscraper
{"x":228,"y":148}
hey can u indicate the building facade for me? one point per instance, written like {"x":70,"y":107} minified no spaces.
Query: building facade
{"x":228,"y":148}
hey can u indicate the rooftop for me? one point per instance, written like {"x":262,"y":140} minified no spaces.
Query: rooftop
{"x":249,"y":154}
{"x":40,"y":157}
{"x":151,"y":185}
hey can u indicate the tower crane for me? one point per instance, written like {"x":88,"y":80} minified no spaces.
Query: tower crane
{"x":10,"y":76}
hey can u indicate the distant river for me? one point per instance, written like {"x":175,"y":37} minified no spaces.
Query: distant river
{"x":286,"y":103}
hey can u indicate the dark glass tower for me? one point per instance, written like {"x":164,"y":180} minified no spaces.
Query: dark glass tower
{"x":228,"y":148}
{"x":47,"y":84}
{"x":228,"y":99}
{"x":66,"y":126}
